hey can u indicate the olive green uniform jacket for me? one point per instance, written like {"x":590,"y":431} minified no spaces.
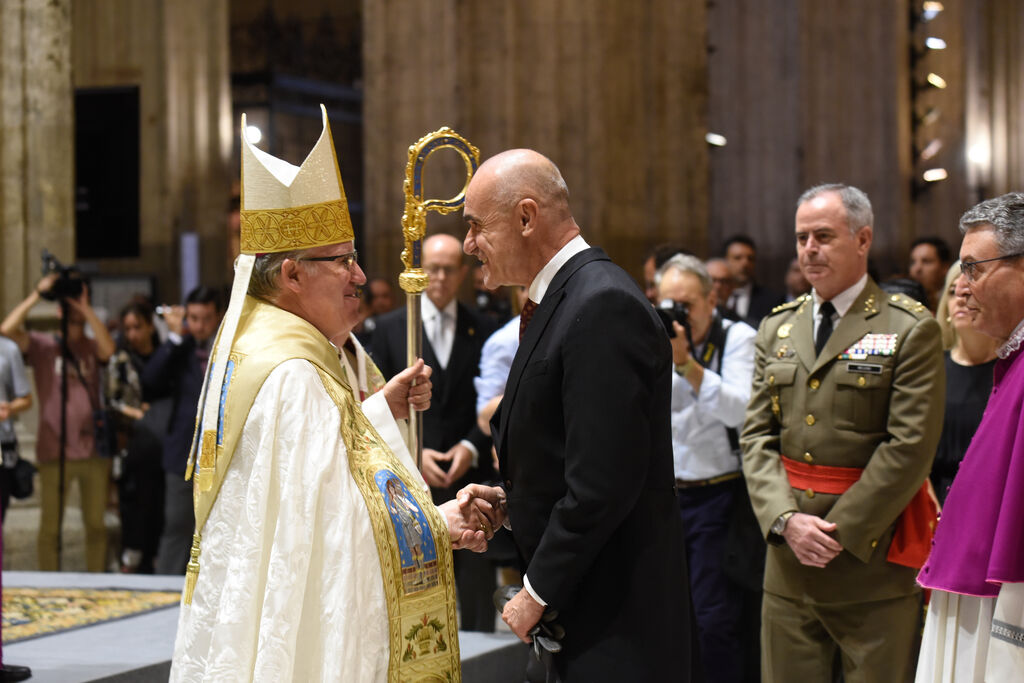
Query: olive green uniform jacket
{"x":881,"y":411}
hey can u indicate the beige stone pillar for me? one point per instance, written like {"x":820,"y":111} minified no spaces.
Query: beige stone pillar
{"x":199,"y":128}
{"x":36,"y":154}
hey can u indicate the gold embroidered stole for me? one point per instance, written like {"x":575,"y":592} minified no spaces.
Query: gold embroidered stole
{"x":414,"y":550}
{"x":411,"y":536}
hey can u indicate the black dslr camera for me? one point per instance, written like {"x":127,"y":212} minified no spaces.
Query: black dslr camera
{"x":69,"y":283}
{"x":675,"y":311}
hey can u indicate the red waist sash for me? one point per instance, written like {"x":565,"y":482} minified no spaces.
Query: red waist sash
{"x":915,"y":527}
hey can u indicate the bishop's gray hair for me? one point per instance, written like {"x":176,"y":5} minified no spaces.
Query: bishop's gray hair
{"x":263,"y":283}
{"x":856,"y":203}
{"x":1006,"y":216}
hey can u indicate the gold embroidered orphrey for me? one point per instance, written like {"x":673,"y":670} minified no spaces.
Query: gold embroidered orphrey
{"x":422,"y":625}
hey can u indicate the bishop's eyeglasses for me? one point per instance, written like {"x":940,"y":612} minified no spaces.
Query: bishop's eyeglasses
{"x":347,"y":260}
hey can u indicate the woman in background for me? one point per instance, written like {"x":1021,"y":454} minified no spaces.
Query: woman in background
{"x":140,"y":477}
{"x":970,"y":359}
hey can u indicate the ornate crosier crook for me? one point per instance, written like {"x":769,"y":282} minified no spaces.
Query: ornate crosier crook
{"x":414,"y":227}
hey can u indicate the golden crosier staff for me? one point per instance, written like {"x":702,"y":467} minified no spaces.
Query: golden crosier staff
{"x":414,"y":227}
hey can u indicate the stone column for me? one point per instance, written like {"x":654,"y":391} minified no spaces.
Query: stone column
{"x":36,"y":153}
{"x":199,"y":128}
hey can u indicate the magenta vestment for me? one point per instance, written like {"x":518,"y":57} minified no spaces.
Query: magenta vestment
{"x":979,"y":543}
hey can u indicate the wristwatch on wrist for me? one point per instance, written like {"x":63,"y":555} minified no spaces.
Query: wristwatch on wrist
{"x":779,"y":525}
{"x":683,"y":368}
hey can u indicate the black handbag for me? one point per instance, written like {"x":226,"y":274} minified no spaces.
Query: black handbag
{"x":22,"y":472}
{"x":22,"y":479}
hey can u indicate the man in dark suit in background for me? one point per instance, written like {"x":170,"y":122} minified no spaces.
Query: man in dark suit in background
{"x":583,"y":436}
{"x":174,"y":373}
{"x":455,"y":451}
{"x":751,"y":301}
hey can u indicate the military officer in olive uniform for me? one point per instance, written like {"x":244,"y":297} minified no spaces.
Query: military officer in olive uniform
{"x":840,"y":433}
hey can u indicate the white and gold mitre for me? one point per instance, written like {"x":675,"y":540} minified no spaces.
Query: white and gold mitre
{"x":286,"y":207}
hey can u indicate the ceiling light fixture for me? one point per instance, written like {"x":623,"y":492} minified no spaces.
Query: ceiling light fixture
{"x":979,"y":153}
{"x":930,"y":10}
{"x":715,"y":139}
{"x":253,"y":134}
{"x":931,"y":149}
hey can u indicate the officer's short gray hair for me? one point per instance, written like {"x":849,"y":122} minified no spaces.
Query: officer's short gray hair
{"x":856,"y":203}
{"x":685,"y":263}
{"x":1006,"y":216}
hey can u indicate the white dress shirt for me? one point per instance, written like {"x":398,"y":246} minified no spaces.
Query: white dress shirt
{"x":439,"y":324}
{"x":495,"y":362}
{"x":841,"y":301}
{"x":700,"y":444}
{"x":739,"y":300}
{"x":540,"y":284}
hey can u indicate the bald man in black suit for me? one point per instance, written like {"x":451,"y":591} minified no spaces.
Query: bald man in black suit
{"x":583,"y":437}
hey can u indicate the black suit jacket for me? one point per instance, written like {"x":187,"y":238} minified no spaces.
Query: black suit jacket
{"x":585,"y":450}
{"x":173,"y":374}
{"x":762,"y":301}
{"x":452,"y":414}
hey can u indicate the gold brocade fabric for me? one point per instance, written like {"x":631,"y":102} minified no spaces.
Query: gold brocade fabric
{"x":302,"y":227}
{"x":411,"y":536}
{"x":414,"y":550}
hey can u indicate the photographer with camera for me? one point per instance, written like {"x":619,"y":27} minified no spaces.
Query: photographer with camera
{"x":43,"y":353}
{"x":173,"y":379}
{"x":714,"y":365}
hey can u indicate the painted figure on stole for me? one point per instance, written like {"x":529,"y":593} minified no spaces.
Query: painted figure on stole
{"x":416,"y":545}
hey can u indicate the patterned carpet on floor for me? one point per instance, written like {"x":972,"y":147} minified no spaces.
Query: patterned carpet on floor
{"x":34,"y":612}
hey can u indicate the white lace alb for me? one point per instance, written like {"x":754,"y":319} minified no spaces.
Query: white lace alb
{"x":1013,"y":343}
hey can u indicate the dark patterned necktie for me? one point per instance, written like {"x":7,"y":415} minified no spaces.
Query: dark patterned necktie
{"x":827,"y":310}
{"x":525,"y":316}
{"x":202,"y":355}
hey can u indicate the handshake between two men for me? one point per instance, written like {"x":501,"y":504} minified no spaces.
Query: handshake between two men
{"x":474,"y":515}
{"x":477,"y":511}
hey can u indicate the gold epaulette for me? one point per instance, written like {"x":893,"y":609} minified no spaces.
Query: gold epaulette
{"x":912,"y":306}
{"x":790,"y":304}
